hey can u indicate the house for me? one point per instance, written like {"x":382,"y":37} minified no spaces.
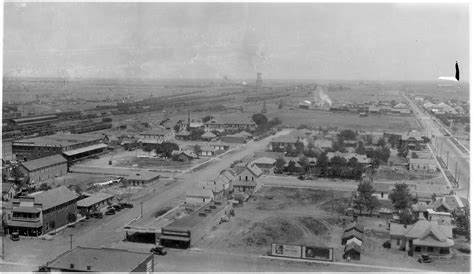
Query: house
{"x":448,"y":203}
{"x":424,"y":237}
{"x":352,"y":251}
{"x":363,"y":159}
{"x":421,"y":154}
{"x":208,"y":136}
{"x":91,"y":259}
{"x":284,"y":142}
{"x":183,"y":156}
{"x":158,"y":135}
{"x":207,"y":151}
{"x":42,"y":169}
{"x":443,"y":218}
{"x":425,"y":165}
{"x":413,"y":140}
{"x":196,"y":125}
{"x":219,"y":146}
{"x":354,"y":226}
{"x":385,"y":213}
{"x":183,"y":135}
{"x":323,"y":144}
{"x":251,"y":173}
{"x":234,"y":138}
{"x":93,"y":203}
{"x":197,"y":195}
{"x":42,"y":212}
{"x":142,"y":177}
{"x":266,"y":164}
{"x":353,"y":233}
{"x":8,"y":191}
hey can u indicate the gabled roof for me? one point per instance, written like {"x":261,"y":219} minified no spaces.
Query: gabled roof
{"x":208,"y":135}
{"x":399,"y":229}
{"x":355,"y":226}
{"x":183,"y":133}
{"x":6,"y":187}
{"x":54,"y":197}
{"x":254,"y":169}
{"x":264,"y":161}
{"x":352,"y":246}
{"x":200,"y":192}
{"x":352,"y":233}
{"x":94,"y":199}
{"x":423,"y":227}
{"x":43,"y":162}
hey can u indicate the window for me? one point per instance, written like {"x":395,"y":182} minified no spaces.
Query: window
{"x":417,"y":249}
{"x":398,"y":241}
{"x":444,"y":250}
{"x":430,"y":249}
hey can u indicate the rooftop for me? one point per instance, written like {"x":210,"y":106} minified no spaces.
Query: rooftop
{"x":143,"y":175}
{"x":59,"y":140}
{"x":6,"y":187}
{"x":94,"y":199}
{"x":54,"y":197}
{"x":84,"y":149}
{"x":99,"y":259}
{"x":264,"y":160}
{"x":188,"y":222}
{"x":231,"y":120}
{"x":199,"y":192}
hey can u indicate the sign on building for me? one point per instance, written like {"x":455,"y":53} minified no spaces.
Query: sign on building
{"x":317,"y":253}
{"x":282,"y":250}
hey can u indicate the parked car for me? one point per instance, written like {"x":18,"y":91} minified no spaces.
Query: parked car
{"x":15,"y":236}
{"x":117,"y":207}
{"x":97,"y":215}
{"x":424,"y":259}
{"x":110,"y":212}
{"x":126,"y":205}
{"x":159,"y":250}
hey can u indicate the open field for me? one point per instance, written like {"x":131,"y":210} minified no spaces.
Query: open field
{"x":322,"y":118}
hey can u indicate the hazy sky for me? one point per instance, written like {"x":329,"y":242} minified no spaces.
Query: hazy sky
{"x":235,"y":40}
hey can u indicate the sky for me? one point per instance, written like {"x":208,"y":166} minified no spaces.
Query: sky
{"x":236,"y":40}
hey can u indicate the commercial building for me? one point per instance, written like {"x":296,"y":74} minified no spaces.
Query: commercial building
{"x":426,"y":165}
{"x":43,"y":169}
{"x":93,"y":203}
{"x":89,"y":259}
{"x":142,"y":177}
{"x":187,"y":231}
{"x":42,"y":212}
{"x":72,"y":146}
{"x":230,"y":124}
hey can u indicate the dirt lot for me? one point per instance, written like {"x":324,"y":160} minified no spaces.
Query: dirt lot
{"x":390,"y":174}
{"x":306,"y":216}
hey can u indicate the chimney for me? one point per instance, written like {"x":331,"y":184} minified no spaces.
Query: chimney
{"x":88,"y":267}
{"x":71,"y":266}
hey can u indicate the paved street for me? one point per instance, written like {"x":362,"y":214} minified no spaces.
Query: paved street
{"x":109,"y":230}
{"x":445,"y":148}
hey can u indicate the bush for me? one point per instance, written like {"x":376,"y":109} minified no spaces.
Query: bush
{"x":387,"y":244}
{"x":465,"y":250}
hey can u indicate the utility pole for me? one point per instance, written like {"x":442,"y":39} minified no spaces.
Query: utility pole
{"x":447,"y":159}
{"x":70,"y":239}
{"x":456,"y":178}
{"x":141,"y":209}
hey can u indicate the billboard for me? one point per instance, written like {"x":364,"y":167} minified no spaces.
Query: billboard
{"x":317,"y":253}
{"x":282,"y":250}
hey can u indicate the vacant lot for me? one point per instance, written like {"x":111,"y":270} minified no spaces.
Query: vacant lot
{"x":322,"y":118}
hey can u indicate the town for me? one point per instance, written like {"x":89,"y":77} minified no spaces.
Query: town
{"x":108,"y":175}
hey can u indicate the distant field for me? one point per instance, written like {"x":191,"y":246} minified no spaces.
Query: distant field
{"x":346,"y":120}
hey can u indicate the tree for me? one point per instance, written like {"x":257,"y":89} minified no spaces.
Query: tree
{"x":302,"y":126}
{"x":368,"y":139}
{"x":348,"y":134}
{"x":372,"y":204}
{"x":292,"y":167}
{"x":360,"y":149}
{"x":71,"y":217}
{"x":196,"y":134}
{"x":462,"y":221}
{"x":260,"y":119}
{"x":299,"y":148}
{"x":365,"y":192}
{"x":401,"y":197}
{"x":280,"y":164}
{"x":274,"y":121}
{"x":207,"y":118}
{"x":303,"y":161}
{"x":393,"y":140}
{"x":414,"y":155}
{"x":381,"y":142}
{"x":44,"y":187}
{"x":78,"y":189}
{"x":197,"y":149}
{"x":177,"y":127}
{"x":403,"y":151}
{"x":406,"y":217}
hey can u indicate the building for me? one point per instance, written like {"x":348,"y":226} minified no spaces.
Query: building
{"x":352,"y":251}
{"x":426,"y":165}
{"x":33,"y":121}
{"x":413,"y":140}
{"x":91,"y":259}
{"x":42,"y":212}
{"x":183,"y":156}
{"x":157,"y":135}
{"x":449,"y":203}
{"x":285,"y":142}
{"x":355,"y":226}
{"x":234,"y":138}
{"x":219,"y":146}
{"x":443,"y":218}
{"x":94,"y":203}
{"x":247,"y":179}
{"x":353,"y":233}
{"x":208,"y":136}
{"x":266,"y":164}
{"x":199,"y":195}
{"x":363,"y":159}
{"x":230,"y":124}
{"x":72,"y":146}
{"x":186,"y":231}
{"x":323,"y":144}
{"x":142,"y":177}
{"x":424,"y":237}
{"x":183,"y":135}
{"x":43,"y":169}
{"x":8,"y":191}
{"x":207,"y":151}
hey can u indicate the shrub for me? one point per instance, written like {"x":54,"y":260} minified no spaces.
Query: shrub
{"x":387,"y":244}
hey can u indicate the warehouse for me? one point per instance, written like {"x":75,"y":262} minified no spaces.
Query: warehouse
{"x":142,"y":177}
{"x":94,"y":203}
{"x":186,"y":231}
{"x":43,"y":169}
{"x":72,"y":146}
{"x":91,"y":259}
{"x":33,"y":121}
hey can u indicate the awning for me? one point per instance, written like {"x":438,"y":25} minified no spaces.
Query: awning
{"x":24,"y":224}
{"x":25,"y":209}
{"x":84,"y":149}
{"x":174,"y":238}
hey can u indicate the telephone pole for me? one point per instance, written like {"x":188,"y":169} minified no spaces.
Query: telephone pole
{"x":70,"y":239}
{"x":141,"y":209}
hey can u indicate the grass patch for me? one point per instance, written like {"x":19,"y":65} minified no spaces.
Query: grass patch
{"x":273,"y":230}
